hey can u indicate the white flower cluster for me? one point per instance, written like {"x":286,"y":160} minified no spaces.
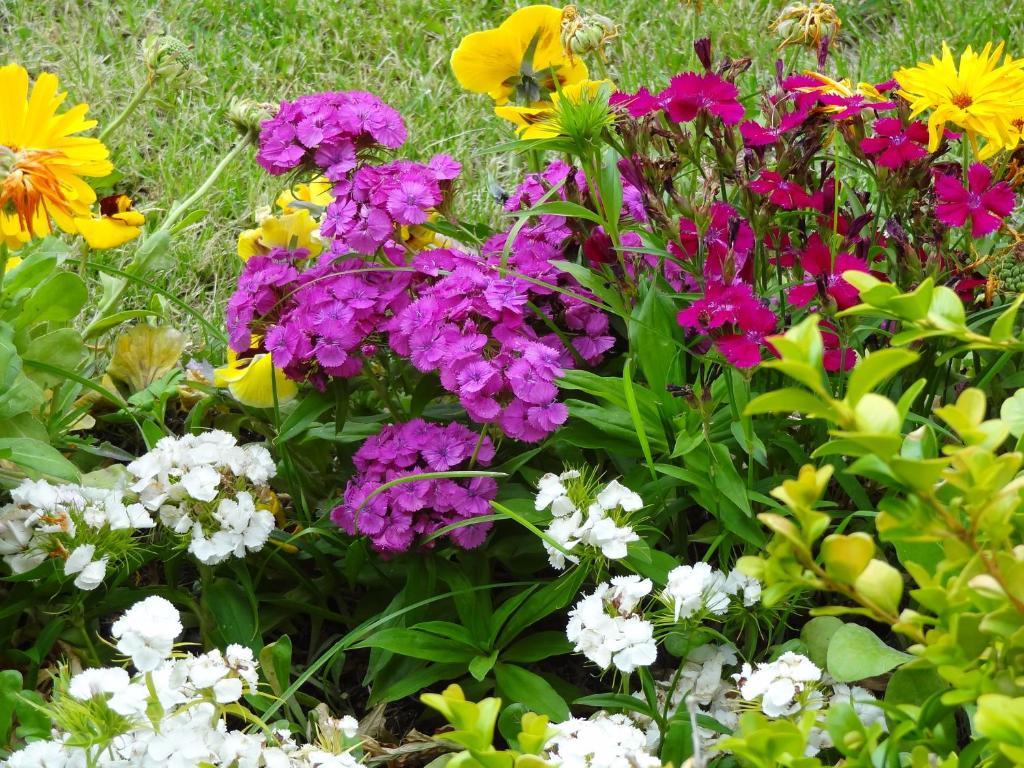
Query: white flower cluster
{"x":605,"y":627}
{"x":190,"y":694}
{"x":699,"y":588}
{"x":190,"y":481}
{"x":783,"y":687}
{"x":200,"y":485}
{"x":69,"y":521}
{"x":700,"y":680}
{"x":604,"y":741}
{"x":597,"y":528}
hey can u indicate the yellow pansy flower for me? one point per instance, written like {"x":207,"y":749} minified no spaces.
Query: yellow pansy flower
{"x":42,"y":161}
{"x":290,"y":230}
{"x":317,"y":192}
{"x":117,"y":224}
{"x":980,"y":95}
{"x":522,"y":57}
{"x":253,"y":380}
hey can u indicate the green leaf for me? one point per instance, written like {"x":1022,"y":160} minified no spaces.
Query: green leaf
{"x":418,"y":645}
{"x":481,"y":665}
{"x":817,"y":634}
{"x":10,"y":687}
{"x":276,"y":663}
{"x":552,"y":597}
{"x":1002,"y":328}
{"x":677,"y":746}
{"x":58,"y":299}
{"x":308,"y":410}
{"x":537,"y":647}
{"x":1012,"y":412}
{"x":875,"y":369}
{"x":414,"y":682}
{"x":520,"y":685}
{"x":790,"y":400}
{"x":232,"y":610}
{"x":561,"y":208}
{"x":655,"y":338}
{"x":616,"y":701}
{"x":38,"y":459}
{"x":63,"y":347}
{"x":855,"y":652}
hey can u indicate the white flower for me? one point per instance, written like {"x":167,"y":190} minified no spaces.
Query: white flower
{"x":257,"y":465}
{"x":227,"y":690}
{"x":348,"y":725}
{"x":749,"y":588}
{"x":627,"y":591}
{"x":617,"y":496}
{"x":90,"y":572}
{"x":201,"y":482}
{"x":241,"y":661}
{"x":602,"y":533}
{"x":206,"y":669}
{"x":863,"y":702}
{"x":604,"y":741}
{"x":624,"y":640}
{"x":102,"y":680}
{"x":147,"y":631}
{"x":549,"y":488}
{"x":692,"y":588}
{"x":779,"y":684}
{"x":564,"y":530}
{"x":46,"y":754}
{"x":249,"y":527}
{"x":129,"y":516}
{"x":211,"y":550}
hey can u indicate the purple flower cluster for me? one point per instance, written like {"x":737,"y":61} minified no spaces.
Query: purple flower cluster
{"x":374,"y":202}
{"x":327,"y":131}
{"x":395,"y":517}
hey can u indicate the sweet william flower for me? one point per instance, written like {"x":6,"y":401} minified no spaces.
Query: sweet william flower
{"x":688,"y":95}
{"x":781,"y":192}
{"x":736,"y":320}
{"x":895,"y":145}
{"x":147,"y":631}
{"x":523,"y":57}
{"x":983,"y":203}
{"x":826,"y":275}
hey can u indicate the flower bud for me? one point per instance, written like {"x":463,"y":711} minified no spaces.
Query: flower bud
{"x":168,"y":59}
{"x":806,"y":24}
{"x":585,"y":34}
{"x":247,"y":115}
{"x":7,"y":161}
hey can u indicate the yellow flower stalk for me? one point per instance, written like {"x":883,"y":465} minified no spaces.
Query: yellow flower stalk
{"x":43,"y":162}
{"x":117,"y":224}
{"x":523,"y":57}
{"x":981,"y":96}
{"x":253,"y":380}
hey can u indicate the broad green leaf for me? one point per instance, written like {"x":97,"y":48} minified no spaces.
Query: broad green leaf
{"x":232,"y":609}
{"x":817,"y":634}
{"x":63,"y":348}
{"x":1012,"y":412}
{"x":38,"y":459}
{"x":276,"y":663}
{"x":60,"y":298}
{"x":855,"y":652}
{"x":418,"y":645}
{"x":518,"y":684}
{"x":790,"y":400}
{"x":561,"y":208}
{"x":537,"y":647}
{"x":876,"y":368}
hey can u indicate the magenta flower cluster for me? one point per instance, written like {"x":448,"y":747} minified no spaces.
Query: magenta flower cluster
{"x":327,"y":131}
{"x":395,"y":517}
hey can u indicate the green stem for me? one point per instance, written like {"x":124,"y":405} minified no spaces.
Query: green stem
{"x":181,"y":208}
{"x":4,"y":256}
{"x":128,"y":109}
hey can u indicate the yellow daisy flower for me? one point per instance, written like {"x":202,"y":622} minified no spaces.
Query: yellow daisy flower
{"x":42,"y":161}
{"x":522,"y":57}
{"x":981,"y":96}
{"x":117,"y":223}
{"x":252,"y":380}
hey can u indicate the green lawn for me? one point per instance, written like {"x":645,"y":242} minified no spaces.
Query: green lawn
{"x":277,"y":49}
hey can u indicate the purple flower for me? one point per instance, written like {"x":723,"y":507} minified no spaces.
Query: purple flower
{"x":395,"y":517}
{"x":981,"y":202}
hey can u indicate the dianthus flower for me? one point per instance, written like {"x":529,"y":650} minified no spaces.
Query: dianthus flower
{"x":726,"y":241}
{"x":735,"y":319}
{"x":984,"y":203}
{"x":393,"y":518}
{"x":606,"y":628}
{"x":688,"y":95}
{"x":756,"y":135}
{"x":327,"y":130}
{"x":781,"y":192}
{"x":825,"y":276}
{"x":894,"y":145}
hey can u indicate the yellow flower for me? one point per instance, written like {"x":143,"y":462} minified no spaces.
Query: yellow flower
{"x":290,"y":230}
{"x":522,"y":57}
{"x":317,"y":192}
{"x":12,"y":263}
{"x":42,"y":161}
{"x":117,"y":223}
{"x":981,"y":96}
{"x":252,"y":380}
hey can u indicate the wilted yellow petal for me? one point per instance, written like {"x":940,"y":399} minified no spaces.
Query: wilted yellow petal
{"x":144,"y":353}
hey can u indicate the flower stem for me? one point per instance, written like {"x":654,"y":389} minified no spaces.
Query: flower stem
{"x":135,"y":100}
{"x":181,"y":208}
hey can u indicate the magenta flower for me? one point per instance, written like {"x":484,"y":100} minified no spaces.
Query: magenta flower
{"x":757,"y":135}
{"x":727,"y":241}
{"x":735,"y":319}
{"x":688,"y":95}
{"x":836,"y":357}
{"x":781,"y":192}
{"x":984,"y":203}
{"x":826,"y":276}
{"x":894,"y":145}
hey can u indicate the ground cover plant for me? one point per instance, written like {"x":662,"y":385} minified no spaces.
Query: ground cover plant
{"x":668,"y":414}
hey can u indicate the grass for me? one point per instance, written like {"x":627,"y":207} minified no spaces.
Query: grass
{"x":279,"y":49}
